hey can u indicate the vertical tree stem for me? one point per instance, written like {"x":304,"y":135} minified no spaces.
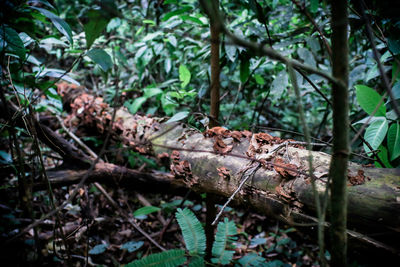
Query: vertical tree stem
{"x":341,"y":150}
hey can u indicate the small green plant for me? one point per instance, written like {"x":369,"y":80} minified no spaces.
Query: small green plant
{"x":383,"y":125}
{"x":195,"y":242}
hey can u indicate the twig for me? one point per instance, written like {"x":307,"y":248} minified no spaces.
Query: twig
{"x":73,"y":136}
{"x":244,"y":180}
{"x":130,"y":220}
{"x":377,"y":56}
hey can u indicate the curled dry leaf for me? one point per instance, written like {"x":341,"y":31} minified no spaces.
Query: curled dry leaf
{"x":286,"y":170}
{"x":224,"y":172}
{"x":358,"y":179}
{"x":220,"y":147}
{"x":246,"y":134}
{"x":236,"y":135}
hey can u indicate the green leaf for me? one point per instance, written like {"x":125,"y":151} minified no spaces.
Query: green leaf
{"x":184,"y":75}
{"x":169,"y":258}
{"x":178,"y":116}
{"x":280,"y":83}
{"x":99,"y":56}
{"x":136,"y":104}
{"x":383,"y":155}
{"x":192,"y":231}
{"x":145,"y":210}
{"x":11,"y":41}
{"x":191,"y":18}
{"x":152,"y":91}
{"x":96,"y":23}
{"x":60,"y":24}
{"x":98,"y":249}
{"x":375,"y":133}
{"x":244,"y":70}
{"x":259,"y":79}
{"x":223,"y":239}
{"x":369,"y":99}
{"x":169,"y":15}
{"x":132,"y":246}
{"x":394,"y":45}
{"x":251,"y":260}
{"x":313,"y":5}
{"x":393,"y":141}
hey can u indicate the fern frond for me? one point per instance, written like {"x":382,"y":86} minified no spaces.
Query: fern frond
{"x":192,"y":231}
{"x":223,"y":239}
{"x":197,"y":262}
{"x":169,"y":258}
{"x":252,"y":260}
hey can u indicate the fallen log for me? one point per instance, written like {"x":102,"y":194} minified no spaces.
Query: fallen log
{"x":218,"y":160}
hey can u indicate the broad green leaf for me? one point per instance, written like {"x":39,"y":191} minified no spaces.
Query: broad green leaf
{"x":152,"y":91}
{"x":280,"y":83}
{"x":191,"y":18}
{"x":230,"y":51}
{"x":169,"y":15}
{"x":98,"y":249}
{"x":252,"y":259}
{"x":394,"y":45}
{"x":244,"y":70}
{"x":307,"y":56}
{"x":145,"y":210}
{"x":99,"y":56}
{"x":375,"y":133}
{"x":132,"y":246}
{"x":396,"y":90}
{"x":259,"y":79}
{"x":136,"y":104}
{"x":172,"y":40}
{"x":149,"y":21}
{"x":184,"y":75}
{"x":313,"y":5}
{"x":96,"y":23}
{"x":393,"y":141}
{"x":60,"y":24}
{"x":384,"y":157}
{"x":178,"y":116}
{"x":369,"y":99}
{"x":10,"y":39}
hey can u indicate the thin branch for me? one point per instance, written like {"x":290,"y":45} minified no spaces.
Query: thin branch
{"x":384,"y":77}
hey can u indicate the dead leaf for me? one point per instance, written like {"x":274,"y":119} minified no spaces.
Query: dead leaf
{"x":280,"y":191}
{"x":217,"y":131}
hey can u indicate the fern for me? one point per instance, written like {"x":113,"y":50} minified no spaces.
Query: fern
{"x":192,"y":231}
{"x":252,"y":260}
{"x":196,"y":262}
{"x":169,"y":258}
{"x":223,"y":239}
